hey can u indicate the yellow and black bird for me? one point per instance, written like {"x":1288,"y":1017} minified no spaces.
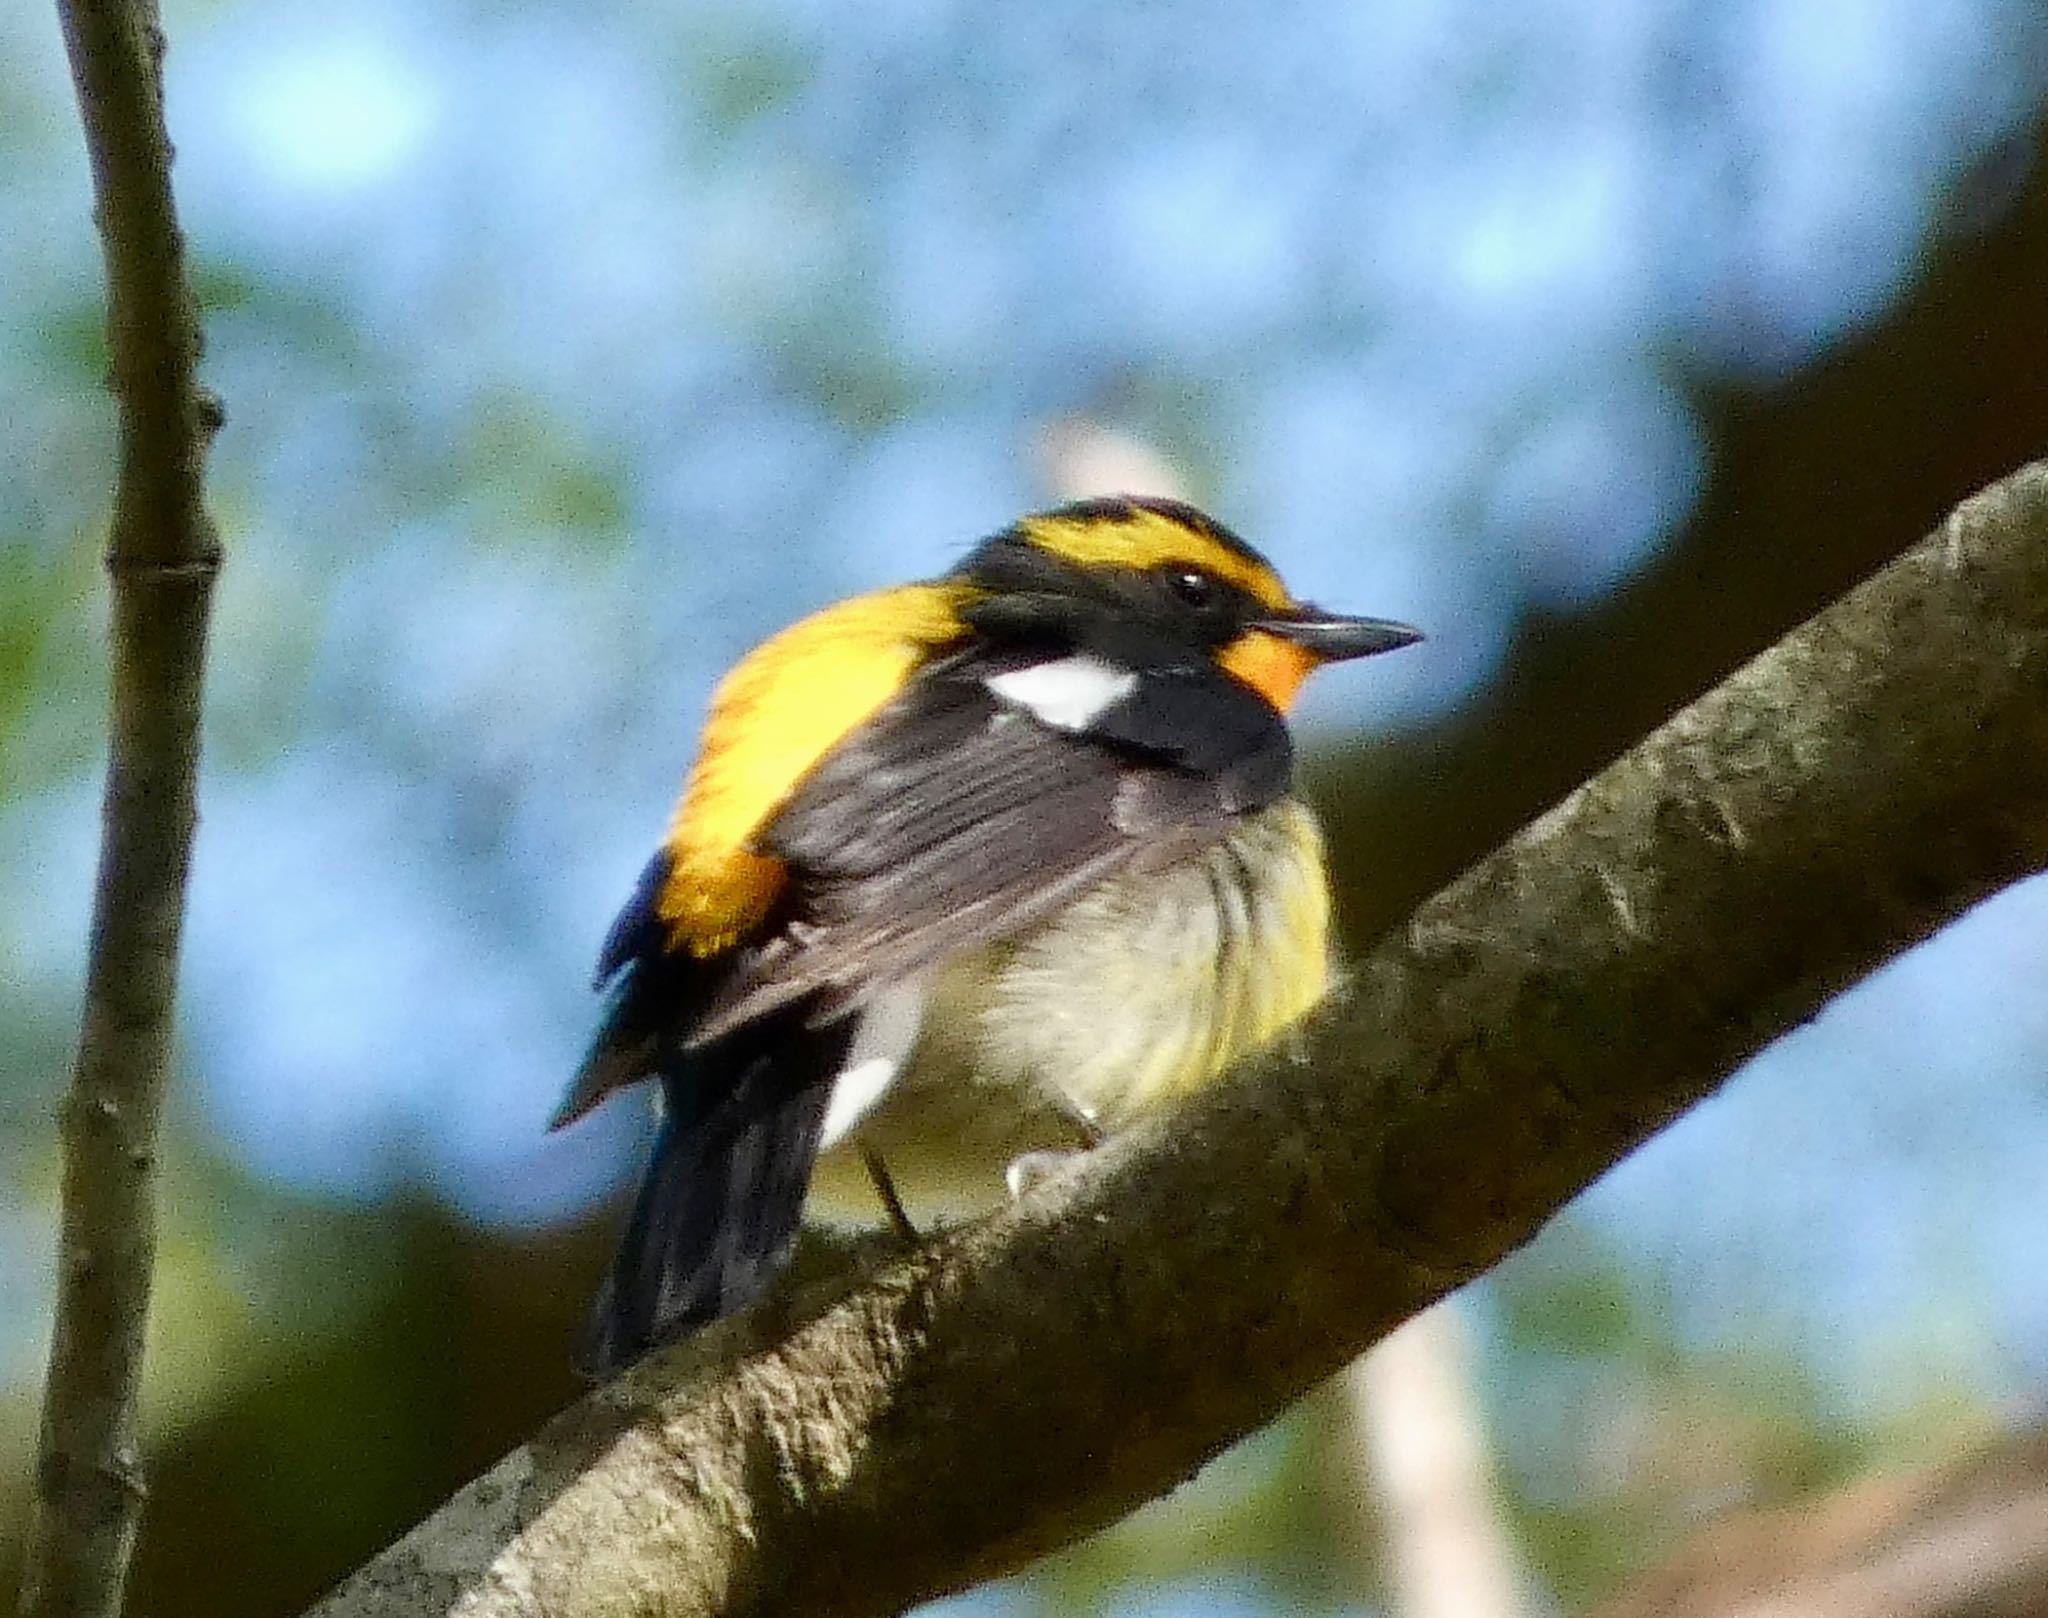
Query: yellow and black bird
{"x":966,"y":871}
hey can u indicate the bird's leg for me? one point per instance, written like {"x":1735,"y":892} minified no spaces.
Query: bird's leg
{"x":885,"y":1188}
{"x":1083,"y":1119}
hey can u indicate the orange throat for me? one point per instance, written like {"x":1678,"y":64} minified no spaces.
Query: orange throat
{"x":1271,"y":666}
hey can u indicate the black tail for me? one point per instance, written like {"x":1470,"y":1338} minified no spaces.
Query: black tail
{"x":719,"y":1209}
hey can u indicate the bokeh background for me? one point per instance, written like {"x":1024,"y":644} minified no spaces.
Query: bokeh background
{"x":567,"y":351}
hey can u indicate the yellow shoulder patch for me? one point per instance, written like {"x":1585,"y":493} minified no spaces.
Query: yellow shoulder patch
{"x":783,"y":707}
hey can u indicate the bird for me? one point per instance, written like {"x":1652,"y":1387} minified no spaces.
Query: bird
{"x":968,"y":875}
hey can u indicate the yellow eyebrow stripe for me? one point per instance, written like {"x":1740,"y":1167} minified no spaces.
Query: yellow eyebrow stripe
{"x":783,"y":707}
{"x":1152,"y":539}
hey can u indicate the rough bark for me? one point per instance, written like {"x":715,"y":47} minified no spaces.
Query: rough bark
{"x":1032,"y":1377}
{"x":162,"y":556}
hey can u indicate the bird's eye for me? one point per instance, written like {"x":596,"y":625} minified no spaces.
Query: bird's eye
{"x":1194,"y":588}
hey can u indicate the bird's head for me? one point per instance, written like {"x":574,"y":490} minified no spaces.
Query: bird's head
{"x":1153,"y":583}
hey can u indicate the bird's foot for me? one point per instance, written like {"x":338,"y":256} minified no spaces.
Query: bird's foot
{"x":1026,"y":1173}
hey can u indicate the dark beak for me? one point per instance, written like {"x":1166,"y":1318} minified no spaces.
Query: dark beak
{"x":1333,"y":637}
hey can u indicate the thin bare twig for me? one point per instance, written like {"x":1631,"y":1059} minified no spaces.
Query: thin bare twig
{"x":162,"y":556}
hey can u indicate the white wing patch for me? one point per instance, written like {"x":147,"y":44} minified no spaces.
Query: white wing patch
{"x":1069,"y":693}
{"x":881,"y":1045}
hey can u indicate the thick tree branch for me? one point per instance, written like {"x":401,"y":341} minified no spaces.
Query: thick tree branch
{"x":162,"y":555}
{"x":1034,"y":1376}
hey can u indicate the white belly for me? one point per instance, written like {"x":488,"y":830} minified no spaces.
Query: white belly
{"x":1144,"y":988}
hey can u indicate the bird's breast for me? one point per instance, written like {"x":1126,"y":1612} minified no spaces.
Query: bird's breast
{"x":1145,"y":987}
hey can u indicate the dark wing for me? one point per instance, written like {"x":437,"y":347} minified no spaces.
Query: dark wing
{"x":953,"y":819}
{"x":648,"y":989}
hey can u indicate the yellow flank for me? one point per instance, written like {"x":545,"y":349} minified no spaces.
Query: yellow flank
{"x":1258,"y":968}
{"x":1271,"y":666}
{"x":1151,"y":539}
{"x":786,"y":705}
